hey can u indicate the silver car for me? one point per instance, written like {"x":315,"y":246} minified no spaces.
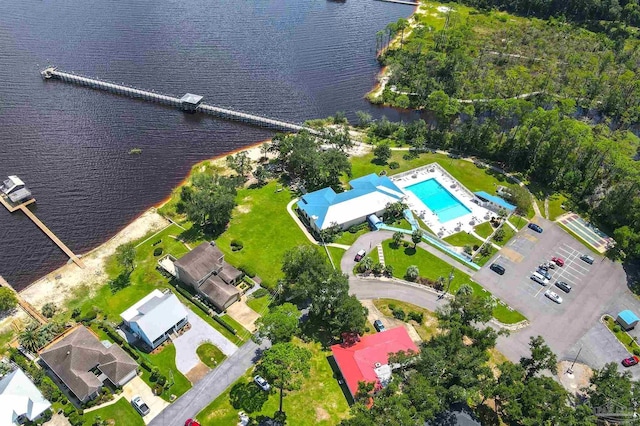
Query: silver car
{"x":553,"y":296}
{"x":140,"y":405}
{"x":262,"y":382}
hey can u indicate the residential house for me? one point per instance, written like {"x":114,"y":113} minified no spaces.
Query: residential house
{"x":367,"y":359}
{"x":370,"y":195}
{"x":205,"y":270}
{"x":156,"y":316}
{"x":84,"y":364}
{"x":20,"y":399}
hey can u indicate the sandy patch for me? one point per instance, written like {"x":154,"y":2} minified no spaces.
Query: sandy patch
{"x":62,"y":283}
{"x":242,"y":313}
{"x":389,"y":322}
{"x":197,"y":373}
{"x":322,"y":414}
{"x":444,"y":9}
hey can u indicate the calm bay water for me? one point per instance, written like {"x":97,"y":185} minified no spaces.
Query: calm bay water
{"x":287,"y":59}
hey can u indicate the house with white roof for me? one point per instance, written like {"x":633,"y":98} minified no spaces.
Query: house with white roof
{"x":369,"y":195}
{"x":20,"y":399}
{"x":155,"y":317}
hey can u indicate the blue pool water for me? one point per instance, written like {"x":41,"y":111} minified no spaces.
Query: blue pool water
{"x":439,"y":200}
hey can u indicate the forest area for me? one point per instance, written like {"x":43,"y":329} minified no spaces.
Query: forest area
{"x":551,"y":100}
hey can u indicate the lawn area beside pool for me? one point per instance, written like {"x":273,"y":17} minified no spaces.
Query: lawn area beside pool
{"x":120,"y":413}
{"x":432,"y":267}
{"x":210,"y":355}
{"x":462,"y":239}
{"x":319,"y":401}
{"x":484,"y":229}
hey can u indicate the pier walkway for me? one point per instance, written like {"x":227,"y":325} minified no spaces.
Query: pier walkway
{"x":410,"y":3}
{"x":188,"y":102}
{"x":42,"y":227}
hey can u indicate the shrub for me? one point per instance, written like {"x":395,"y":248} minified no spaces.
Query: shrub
{"x":399,"y":314}
{"x":392,"y":306}
{"x":377,"y":269}
{"x":247,"y":270}
{"x":475,"y":247}
{"x":155,"y":243}
{"x":616,"y":328}
{"x":157,"y":251}
{"x":468,"y":249}
{"x":636,"y":351}
{"x":161,"y":380}
{"x":394,"y":165}
{"x":76,"y":313}
{"x":224,"y":324}
{"x":236,"y":246}
{"x":49,"y":309}
{"x":499,"y":235}
{"x":416,"y":316}
{"x":157,"y":389}
{"x":261,"y":292}
{"x":412,"y":273}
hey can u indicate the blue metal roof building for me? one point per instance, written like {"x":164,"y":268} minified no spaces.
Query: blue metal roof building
{"x":494,"y":201}
{"x":369,"y":195}
{"x":627,"y":319}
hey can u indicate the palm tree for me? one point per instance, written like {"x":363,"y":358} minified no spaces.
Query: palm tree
{"x":416,"y":237}
{"x":465,"y":289}
{"x":397,"y":238}
{"x":366,"y":264}
{"x":30,"y":338}
{"x":401,"y":24}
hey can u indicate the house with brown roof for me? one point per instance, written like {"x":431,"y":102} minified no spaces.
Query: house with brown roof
{"x":205,"y":270}
{"x":84,"y":364}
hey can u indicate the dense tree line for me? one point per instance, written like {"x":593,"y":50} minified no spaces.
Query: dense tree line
{"x":452,"y":368}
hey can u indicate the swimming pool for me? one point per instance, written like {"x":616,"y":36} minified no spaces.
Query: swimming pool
{"x":439,"y":200}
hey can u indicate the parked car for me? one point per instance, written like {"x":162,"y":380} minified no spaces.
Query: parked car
{"x":558,"y":260}
{"x":539,"y":279}
{"x":378,"y":325}
{"x":262,"y":382}
{"x":563,"y":286}
{"x":498,"y":269}
{"x":587,"y":258}
{"x":553,"y":296}
{"x":140,"y":405}
{"x":191,"y":422}
{"x":544,"y":273}
{"x":360,"y":255}
{"x":631,"y":361}
{"x":535,"y":227}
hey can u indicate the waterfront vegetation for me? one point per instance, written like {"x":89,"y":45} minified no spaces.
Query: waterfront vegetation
{"x":318,"y":401}
{"x":431,"y":267}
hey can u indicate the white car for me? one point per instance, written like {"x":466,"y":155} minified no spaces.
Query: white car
{"x":140,"y":405}
{"x":553,"y":296}
{"x":262,"y":382}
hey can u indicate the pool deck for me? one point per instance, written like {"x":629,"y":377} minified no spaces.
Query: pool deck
{"x":464,"y":223}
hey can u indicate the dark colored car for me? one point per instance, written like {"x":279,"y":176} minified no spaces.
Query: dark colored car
{"x":378,"y":325}
{"x":631,"y":361}
{"x":544,"y":273}
{"x":535,"y":227}
{"x":498,"y":269}
{"x":563,"y":286}
{"x":360,"y":255}
{"x":587,"y":258}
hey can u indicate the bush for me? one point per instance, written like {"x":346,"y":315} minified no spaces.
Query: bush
{"x":75,"y":313}
{"x":49,"y":310}
{"x":416,"y":316}
{"x":412,"y":273}
{"x":90,"y":316}
{"x":224,"y":324}
{"x":261,"y":292}
{"x":616,"y":328}
{"x":468,"y":249}
{"x":394,"y":165}
{"x":162,"y":380}
{"x":247,"y":270}
{"x":475,"y":247}
{"x":392,"y":306}
{"x":636,"y":351}
{"x":236,"y":246}
{"x":499,"y":235}
{"x":157,"y":251}
{"x":155,"y":243}
{"x":399,"y":314}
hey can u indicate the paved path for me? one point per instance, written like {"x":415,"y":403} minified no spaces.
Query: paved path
{"x":210,"y":387}
{"x":200,"y":332}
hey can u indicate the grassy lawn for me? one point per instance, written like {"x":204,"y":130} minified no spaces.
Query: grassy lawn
{"x":120,"y":413}
{"x":555,"y":202}
{"x":426,"y":330}
{"x":210,"y":355}
{"x":621,"y":335}
{"x":319,"y":401}
{"x":5,"y":339}
{"x":508,"y":234}
{"x":259,"y":304}
{"x":462,"y":239}
{"x":484,"y":229}
{"x":518,"y":221}
{"x":432,"y":267}
{"x":336,"y":255}
{"x":347,"y":238}
{"x":482,"y":260}
{"x":165,"y":360}
{"x":467,"y":173}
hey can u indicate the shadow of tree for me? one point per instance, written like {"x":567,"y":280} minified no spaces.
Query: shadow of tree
{"x":248,"y":397}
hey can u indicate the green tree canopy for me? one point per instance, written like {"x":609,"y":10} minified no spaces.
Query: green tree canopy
{"x":8,"y":299}
{"x":280,"y":324}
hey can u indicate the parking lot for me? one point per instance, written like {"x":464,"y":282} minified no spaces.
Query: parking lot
{"x":596,"y":289}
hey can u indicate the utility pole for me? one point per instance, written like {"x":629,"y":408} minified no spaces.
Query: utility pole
{"x":570,"y":369}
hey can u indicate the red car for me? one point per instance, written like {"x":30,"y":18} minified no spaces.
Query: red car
{"x":558,"y":261}
{"x":191,"y":422}
{"x":631,"y":361}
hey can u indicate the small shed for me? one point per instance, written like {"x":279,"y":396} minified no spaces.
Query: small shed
{"x":627,"y":319}
{"x":190,"y":101}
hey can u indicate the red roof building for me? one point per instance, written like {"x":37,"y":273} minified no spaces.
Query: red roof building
{"x":367,"y":360}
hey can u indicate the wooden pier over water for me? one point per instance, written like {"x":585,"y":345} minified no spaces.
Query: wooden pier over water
{"x":42,"y":226}
{"x":189,"y":102}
